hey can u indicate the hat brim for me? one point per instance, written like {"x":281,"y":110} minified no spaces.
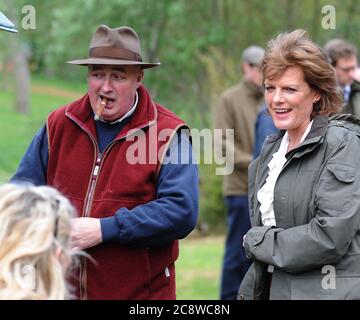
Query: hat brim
{"x":10,"y":29}
{"x":91,"y":61}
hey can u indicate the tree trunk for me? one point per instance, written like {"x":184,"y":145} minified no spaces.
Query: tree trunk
{"x":22,"y":80}
{"x":290,"y":14}
{"x":5,"y":74}
{"x":315,"y":21}
{"x":20,"y":55}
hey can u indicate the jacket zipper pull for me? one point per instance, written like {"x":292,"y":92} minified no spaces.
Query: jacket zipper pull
{"x":97,"y":166}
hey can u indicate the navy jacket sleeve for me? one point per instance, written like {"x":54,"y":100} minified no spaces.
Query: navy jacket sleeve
{"x":264,"y":126}
{"x":172,"y":215}
{"x":33,"y":166}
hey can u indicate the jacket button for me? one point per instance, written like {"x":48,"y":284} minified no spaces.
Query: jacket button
{"x":241,"y":297}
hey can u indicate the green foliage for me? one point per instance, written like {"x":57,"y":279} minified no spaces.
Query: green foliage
{"x":182,"y":34}
{"x":212,"y":210}
{"x":18,"y":130}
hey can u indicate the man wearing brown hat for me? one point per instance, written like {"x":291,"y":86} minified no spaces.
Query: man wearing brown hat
{"x":237,"y":109}
{"x":99,"y":152}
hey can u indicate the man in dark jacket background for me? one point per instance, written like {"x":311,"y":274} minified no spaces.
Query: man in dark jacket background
{"x":343,"y":57}
{"x":117,"y":155}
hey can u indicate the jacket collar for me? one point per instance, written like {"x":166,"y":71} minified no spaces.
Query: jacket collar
{"x":355,"y":87}
{"x":316,"y":135}
{"x":317,"y":132}
{"x":81,"y":113}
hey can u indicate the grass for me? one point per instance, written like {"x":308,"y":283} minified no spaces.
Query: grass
{"x":17,"y":130}
{"x":198,"y":268}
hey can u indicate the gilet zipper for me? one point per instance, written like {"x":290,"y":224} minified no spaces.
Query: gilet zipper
{"x":86,"y":212}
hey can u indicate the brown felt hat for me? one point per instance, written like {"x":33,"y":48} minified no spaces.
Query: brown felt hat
{"x":118,"y":46}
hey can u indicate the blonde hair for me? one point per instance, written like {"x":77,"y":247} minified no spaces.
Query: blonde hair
{"x":35,"y":225}
{"x":296,"y":49}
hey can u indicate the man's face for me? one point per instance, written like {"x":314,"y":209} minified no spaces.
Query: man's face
{"x":116,"y":85}
{"x":345,"y":70}
{"x":253,"y":74}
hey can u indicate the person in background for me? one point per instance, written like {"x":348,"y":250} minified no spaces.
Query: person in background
{"x":264,"y":127}
{"x":304,"y":188}
{"x":237,"y":109}
{"x":343,"y":57}
{"x":125,"y":162}
{"x":35,"y":249}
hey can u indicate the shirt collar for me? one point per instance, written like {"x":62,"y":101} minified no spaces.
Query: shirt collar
{"x":346,"y":92}
{"x":308,"y":128}
{"x":347,"y":88}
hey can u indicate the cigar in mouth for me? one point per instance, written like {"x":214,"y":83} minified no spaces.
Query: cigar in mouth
{"x":100,"y":108}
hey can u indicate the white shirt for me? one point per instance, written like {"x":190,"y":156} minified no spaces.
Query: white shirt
{"x":346,"y":93}
{"x":266,"y":194}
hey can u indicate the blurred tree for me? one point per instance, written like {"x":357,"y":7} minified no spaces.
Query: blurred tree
{"x":18,"y":53}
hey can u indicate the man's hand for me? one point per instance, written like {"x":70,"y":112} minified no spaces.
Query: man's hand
{"x":85,"y":233}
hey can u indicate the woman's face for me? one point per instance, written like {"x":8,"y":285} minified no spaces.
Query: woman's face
{"x":290,"y":100}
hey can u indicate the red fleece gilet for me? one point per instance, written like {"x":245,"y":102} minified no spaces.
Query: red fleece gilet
{"x":120,"y":272}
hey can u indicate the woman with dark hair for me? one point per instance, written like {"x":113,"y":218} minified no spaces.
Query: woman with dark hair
{"x":304,"y":189}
